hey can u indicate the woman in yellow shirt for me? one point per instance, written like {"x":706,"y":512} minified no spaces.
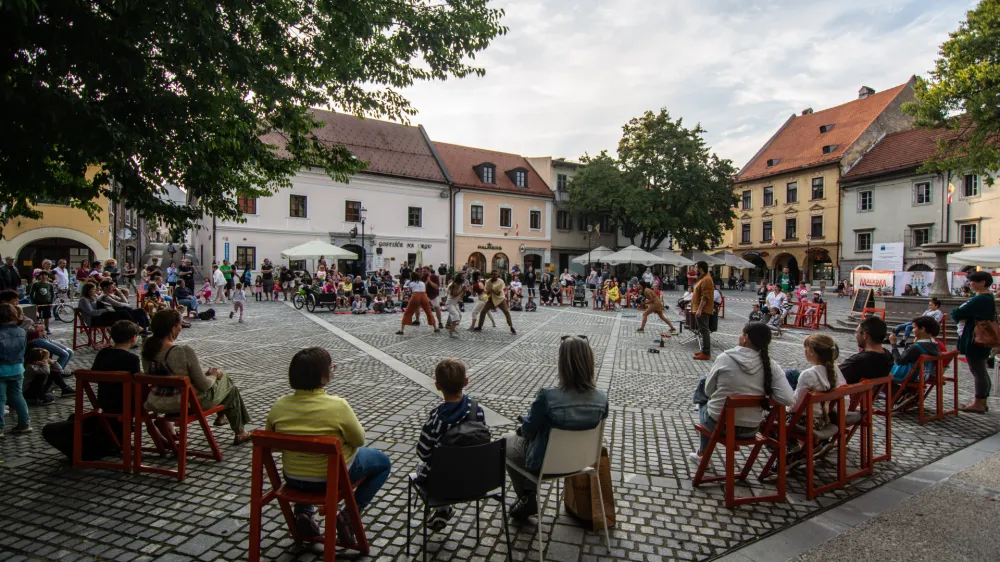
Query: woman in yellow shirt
{"x":613,"y":295}
{"x":311,"y":411}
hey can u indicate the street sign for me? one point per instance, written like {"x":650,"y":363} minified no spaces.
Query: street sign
{"x":226,"y":251}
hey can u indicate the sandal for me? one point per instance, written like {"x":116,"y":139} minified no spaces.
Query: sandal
{"x":241,"y":440}
{"x":220,"y":420}
{"x":399,"y":333}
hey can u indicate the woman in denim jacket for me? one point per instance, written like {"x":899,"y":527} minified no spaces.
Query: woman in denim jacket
{"x":574,"y":405}
{"x":13,"y":341}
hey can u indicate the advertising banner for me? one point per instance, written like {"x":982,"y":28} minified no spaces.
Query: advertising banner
{"x":881,"y":281}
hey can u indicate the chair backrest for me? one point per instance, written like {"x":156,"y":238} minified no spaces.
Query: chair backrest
{"x":299,"y":443}
{"x":154,"y":380}
{"x":471,"y":472}
{"x":102,"y":376}
{"x":572,"y":451}
{"x":844,"y":395}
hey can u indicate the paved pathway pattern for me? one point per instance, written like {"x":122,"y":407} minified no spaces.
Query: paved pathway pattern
{"x":52,"y":512}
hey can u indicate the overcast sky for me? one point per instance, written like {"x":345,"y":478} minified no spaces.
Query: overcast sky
{"x":570,"y":73}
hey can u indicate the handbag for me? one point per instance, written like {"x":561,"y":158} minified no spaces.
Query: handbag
{"x":582,"y":500}
{"x":987,"y":333}
{"x":700,"y":396}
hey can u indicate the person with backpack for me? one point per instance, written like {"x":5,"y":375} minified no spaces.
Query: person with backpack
{"x":458,"y":422}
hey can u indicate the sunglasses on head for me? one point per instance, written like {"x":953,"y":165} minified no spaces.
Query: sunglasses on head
{"x":581,"y":336}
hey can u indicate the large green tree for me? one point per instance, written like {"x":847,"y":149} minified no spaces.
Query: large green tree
{"x":154,"y":91}
{"x":665,"y":182}
{"x":963,"y":95}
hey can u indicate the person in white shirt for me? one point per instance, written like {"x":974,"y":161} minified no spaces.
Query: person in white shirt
{"x":933,"y":310}
{"x":775,"y":305}
{"x":823,"y":376}
{"x":567,"y":278}
{"x":647,"y":276}
{"x":219,"y":281}
{"x":515,"y":289}
{"x":239,"y":301}
{"x":62,"y":276}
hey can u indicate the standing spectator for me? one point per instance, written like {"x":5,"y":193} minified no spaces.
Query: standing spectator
{"x":267,"y":275}
{"x":172,"y":275}
{"x":129,"y":274}
{"x":13,"y":342}
{"x":171,"y":250}
{"x":61,"y":278}
{"x":442,"y":269}
{"x":42,"y":294}
{"x":186,"y":272}
{"x":404,"y":273}
{"x":82,"y":274}
{"x":219,"y":284}
{"x":981,"y":306}
{"x":592,"y":279}
{"x":227,"y":272}
{"x":529,"y":280}
{"x":111,"y":268}
{"x":153,"y":269}
{"x":9,"y":277}
{"x":703,"y":306}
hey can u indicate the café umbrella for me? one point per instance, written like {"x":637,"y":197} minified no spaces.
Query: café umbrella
{"x":314,"y":249}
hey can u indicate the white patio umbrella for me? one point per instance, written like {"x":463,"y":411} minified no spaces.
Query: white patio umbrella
{"x":313,"y":249}
{"x":732,"y":260}
{"x":702,"y":256}
{"x":984,"y":257}
{"x":633,"y":254}
{"x":595,"y":255}
{"x":672,"y":258}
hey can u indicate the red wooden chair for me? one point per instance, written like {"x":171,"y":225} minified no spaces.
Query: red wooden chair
{"x":123,"y":441}
{"x":722,"y":307}
{"x":880,"y":387}
{"x":338,"y":489}
{"x":190,"y":411}
{"x":916,"y":382}
{"x":846,"y":424}
{"x":725,"y":433}
{"x":567,"y":294}
{"x":944,"y":329}
{"x":880,"y":312}
{"x":96,"y":337}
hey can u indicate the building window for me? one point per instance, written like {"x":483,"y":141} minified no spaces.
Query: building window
{"x":864,"y":201}
{"x":247,"y":205}
{"x":520,"y":179}
{"x":487,"y":174}
{"x":562,"y":181}
{"x":921,"y":236}
{"x":562,"y":220}
{"x":745,"y":234}
{"x":352,"y":211}
{"x":767,"y":232}
{"x":792,"y":192}
{"x":506,"y":217}
{"x":817,"y":227}
{"x":605,"y":223}
{"x":535,"y":220}
{"x":971,"y":188}
{"x":790,"y":229}
{"x":969,"y":233}
{"x":297,"y":265}
{"x":297,"y":206}
{"x":415,"y":217}
{"x":581,"y":222}
{"x":768,"y":196}
{"x":476,"y":215}
{"x":864,"y":242}
{"x":246,"y":256}
{"x":922,"y":193}
{"x":746,"y":200}
{"x":817,"y":184}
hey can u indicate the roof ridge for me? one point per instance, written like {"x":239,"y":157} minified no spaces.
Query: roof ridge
{"x":481,"y":149}
{"x":362,"y":117}
{"x":898,"y":89}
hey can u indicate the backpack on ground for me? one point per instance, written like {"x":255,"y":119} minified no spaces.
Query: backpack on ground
{"x":207,"y":314}
{"x":467,"y":432}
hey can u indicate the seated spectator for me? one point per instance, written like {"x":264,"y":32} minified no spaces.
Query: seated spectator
{"x":515,"y":290}
{"x":745,"y":370}
{"x":96,"y":441}
{"x":112,"y":298}
{"x":756,"y":315}
{"x":872,"y":361}
{"x":531,"y":306}
{"x":185,"y":297}
{"x":41,"y":373}
{"x":13,"y":342}
{"x":933,"y":311}
{"x":925,"y":329}
{"x":574,"y":405}
{"x":162,"y":357}
{"x":311,"y":411}
{"x":821,"y":352}
{"x":330,"y":287}
{"x":450,"y":379}
{"x":98,"y":317}
{"x":613,"y":295}
{"x":37,"y":335}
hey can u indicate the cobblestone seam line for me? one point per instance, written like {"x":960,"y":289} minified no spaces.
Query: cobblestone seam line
{"x":606,"y":370}
{"x":492,"y":417}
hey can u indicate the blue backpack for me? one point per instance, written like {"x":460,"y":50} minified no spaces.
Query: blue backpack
{"x":900,"y":373}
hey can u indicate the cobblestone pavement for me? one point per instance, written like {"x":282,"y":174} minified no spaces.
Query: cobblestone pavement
{"x":50,"y":511}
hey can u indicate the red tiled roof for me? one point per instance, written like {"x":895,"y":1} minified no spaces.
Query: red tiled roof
{"x":799,"y":144}
{"x":460,"y":160}
{"x":390,"y":149}
{"x":899,"y":151}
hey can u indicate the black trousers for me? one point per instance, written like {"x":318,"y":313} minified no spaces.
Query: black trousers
{"x":706,"y":333}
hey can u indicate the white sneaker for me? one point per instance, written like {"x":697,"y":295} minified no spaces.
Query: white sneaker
{"x":694,"y":458}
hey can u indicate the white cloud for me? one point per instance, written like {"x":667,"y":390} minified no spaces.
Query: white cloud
{"x":570,"y":74}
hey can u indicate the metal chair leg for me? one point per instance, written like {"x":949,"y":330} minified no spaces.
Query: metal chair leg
{"x":427,"y":511}
{"x":506,"y":526}
{"x":409,"y":515}
{"x":604,"y":516}
{"x":477,"y":521}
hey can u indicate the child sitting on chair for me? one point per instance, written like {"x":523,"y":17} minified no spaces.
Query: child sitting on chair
{"x":40,"y":374}
{"x":531,"y":306}
{"x":310,"y":411}
{"x":599,"y":295}
{"x":330,"y":287}
{"x":613,"y":296}
{"x":756,"y":315}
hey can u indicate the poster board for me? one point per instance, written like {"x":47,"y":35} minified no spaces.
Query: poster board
{"x":887,"y":256}
{"x":861,"y":297}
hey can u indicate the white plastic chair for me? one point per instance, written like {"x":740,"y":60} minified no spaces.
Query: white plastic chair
{"x":568,"y":453}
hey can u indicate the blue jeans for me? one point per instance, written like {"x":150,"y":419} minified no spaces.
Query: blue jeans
{"x":792,"y":375}
{"x":371,"y":464}
{"x":11,"y":387}
{"x":59,"y":352}
{"x":190,"y":303}
{"x":906,"y":328}
{"x":709,"y":423}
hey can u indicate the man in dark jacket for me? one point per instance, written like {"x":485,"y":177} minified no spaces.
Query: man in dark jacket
{"x":529,"y":280}
{"x":9,"y":277}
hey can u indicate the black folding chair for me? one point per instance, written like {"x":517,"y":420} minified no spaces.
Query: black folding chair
{"x":461,"y":475}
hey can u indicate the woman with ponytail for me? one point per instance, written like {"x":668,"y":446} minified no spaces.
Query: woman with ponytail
{"x":745,"y":370}
{"x":824,"y":375}
{"x":162,"y":357}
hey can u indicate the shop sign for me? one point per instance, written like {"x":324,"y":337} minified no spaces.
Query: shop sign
{"x":489,"y":246}
{"x":755,"y":254}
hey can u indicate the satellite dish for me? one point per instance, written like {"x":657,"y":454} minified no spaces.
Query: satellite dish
{"x":126,"y":234}
{"x":444,"y":194}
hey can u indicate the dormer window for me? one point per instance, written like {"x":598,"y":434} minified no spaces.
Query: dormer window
{"x":772,"y":162}
{"x":829,"y":148}
{"x":486,"y":172}
{"x":518,"y":176}
{"x":825,"y":129}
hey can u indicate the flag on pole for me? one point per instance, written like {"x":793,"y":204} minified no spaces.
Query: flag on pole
{"x":517,"y":229}
{"x":597,"y":229}
{"x":773,"y":241}
{"x":951,"y":189}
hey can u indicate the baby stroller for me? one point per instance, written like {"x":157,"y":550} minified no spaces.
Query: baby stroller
{"x":580,"y":294}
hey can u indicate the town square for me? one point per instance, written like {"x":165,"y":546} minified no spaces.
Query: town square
{"x":499,"y":280}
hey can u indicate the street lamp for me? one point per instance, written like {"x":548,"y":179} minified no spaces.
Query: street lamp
{"x":590,"y":231}
{"x":809,"y":238}
{"x":364,"y":252}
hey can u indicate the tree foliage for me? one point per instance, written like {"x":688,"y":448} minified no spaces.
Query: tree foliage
{"x":157,"y":91}
{"x":663,"y":183}
{"x":963,"y":95}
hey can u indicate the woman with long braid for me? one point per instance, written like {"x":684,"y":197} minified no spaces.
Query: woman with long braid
{"x":745,"y":370}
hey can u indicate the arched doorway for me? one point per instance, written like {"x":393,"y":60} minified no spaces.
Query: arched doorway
{"x":500,"y":262}
{"x":920,"y":267}
{"x":533,"y":260}
{"x":759,"y":271}
{"x":352,"y":266}
{"x":477,"y":261}
{"x":781,"y":261}
{"x":55,"y":249}
{"x":819,"y":265}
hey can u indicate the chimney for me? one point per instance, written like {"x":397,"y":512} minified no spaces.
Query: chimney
{"x":864,"y":92}
{"x":807,"y":111}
